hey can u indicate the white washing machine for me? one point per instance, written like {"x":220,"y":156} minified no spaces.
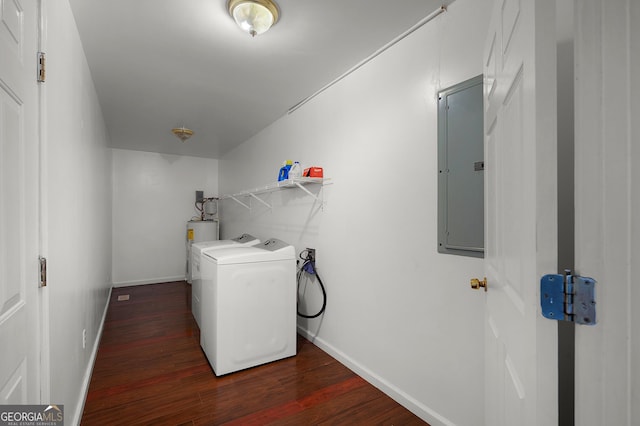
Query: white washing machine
{"x":249,"y":305}
{"x":196,"y":252}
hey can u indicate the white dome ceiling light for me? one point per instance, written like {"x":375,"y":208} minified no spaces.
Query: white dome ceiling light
{"x":182,"y":133}
{"x":253,"y":16}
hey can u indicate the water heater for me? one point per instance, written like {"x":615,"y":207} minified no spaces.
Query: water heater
{"x":199,"y":231}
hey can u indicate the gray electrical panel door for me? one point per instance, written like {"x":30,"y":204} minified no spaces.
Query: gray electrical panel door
{"x":461,"y":169}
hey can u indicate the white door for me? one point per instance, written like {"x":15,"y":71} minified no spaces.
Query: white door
{"x":607,"y":152}
{"x":19,"y":277}
{"x":521,"y":209}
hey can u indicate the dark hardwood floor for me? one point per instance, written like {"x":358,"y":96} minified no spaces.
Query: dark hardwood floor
{"x":150,"y":370}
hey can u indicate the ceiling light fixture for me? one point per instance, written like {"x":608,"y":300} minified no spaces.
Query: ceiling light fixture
{"x":182,"y":133}
{"x":253,"y":16}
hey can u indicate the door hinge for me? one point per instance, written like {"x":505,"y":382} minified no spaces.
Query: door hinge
{"x":568,"y":298}
{"x":42,"y":65}
{"x":43,"y":271}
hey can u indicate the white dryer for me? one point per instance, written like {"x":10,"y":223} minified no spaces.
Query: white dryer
{"x":250,"y":299}
{"x":199,"y":231}
{"x":196,"y":252}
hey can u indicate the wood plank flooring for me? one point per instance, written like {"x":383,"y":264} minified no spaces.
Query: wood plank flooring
{"x":150,"y":370}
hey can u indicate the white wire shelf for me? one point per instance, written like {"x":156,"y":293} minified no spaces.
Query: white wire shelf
{"x":276,"y":186}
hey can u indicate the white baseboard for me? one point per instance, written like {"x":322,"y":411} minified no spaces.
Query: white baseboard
{"x":149,"y":281}
{"x":86,"y":380}
{"x":425,"y":413}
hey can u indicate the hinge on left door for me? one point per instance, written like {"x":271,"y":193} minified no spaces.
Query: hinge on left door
{"x":43,"y":271}
{"x":568,"y":298}
{"x":42,"y":65}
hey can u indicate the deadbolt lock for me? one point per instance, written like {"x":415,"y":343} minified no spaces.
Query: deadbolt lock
{"x":476,"y":283}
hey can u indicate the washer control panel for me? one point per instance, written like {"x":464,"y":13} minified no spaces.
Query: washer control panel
{"x":244,"y":238}
{"x":273,"y":244}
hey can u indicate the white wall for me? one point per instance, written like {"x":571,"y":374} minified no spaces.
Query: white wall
{"x":398,"y":312}
{"x":153,"y":198}
{"x":77,"y":210}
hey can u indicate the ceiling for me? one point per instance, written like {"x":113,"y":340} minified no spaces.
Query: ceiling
{"x":159,"y":64}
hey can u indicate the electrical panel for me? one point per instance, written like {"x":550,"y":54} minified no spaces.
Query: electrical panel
{"x":461,"y":169}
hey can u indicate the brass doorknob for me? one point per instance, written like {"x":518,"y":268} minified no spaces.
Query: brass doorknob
{"x":476,"y":283}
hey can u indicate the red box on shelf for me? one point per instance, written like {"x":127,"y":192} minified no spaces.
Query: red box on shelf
{"x":314,"y":172}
